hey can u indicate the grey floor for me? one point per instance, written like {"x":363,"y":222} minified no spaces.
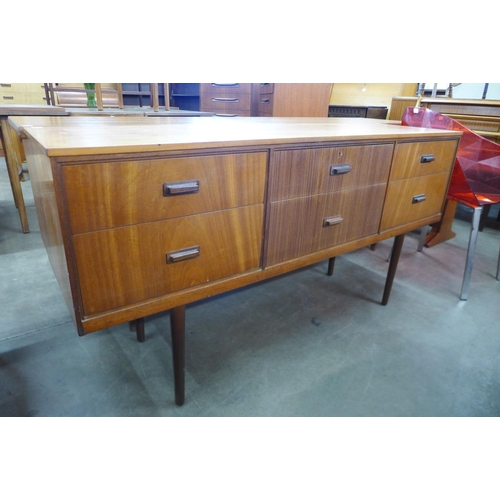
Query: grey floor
{"x":303,"y":344}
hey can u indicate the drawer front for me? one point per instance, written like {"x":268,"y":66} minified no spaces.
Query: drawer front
{"x":265,"y":104}
{"x":305,"y":225}
{"x":305,"y":172}
{"x":22,"y":98}
{"x":123,"y":266}
{"x":106,"y":195}
{"x":422,"y":158}
{"x":226,"y":103}
{"x":409,"y":200}
{"x":266,"y":88}
{"x":225,"y":88}
{"x":36,"y":88}
{"x":228,"y":114}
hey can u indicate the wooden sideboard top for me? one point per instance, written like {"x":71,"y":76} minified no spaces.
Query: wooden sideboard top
{"x":77,"y":136}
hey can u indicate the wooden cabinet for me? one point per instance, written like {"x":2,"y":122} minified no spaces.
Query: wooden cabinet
{"x":145,"y":218}
{"x":322,"y":197}
{"x":266,"y":99}
{"x":22,"y":93}
{"x":418,"y":182}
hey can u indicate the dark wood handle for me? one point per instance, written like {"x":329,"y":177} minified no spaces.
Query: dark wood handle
{"x":340,"y":169}
{"x":332,"y":221}
{"x":418,"y":199}
{"x":427,"y":158}
{"x":182,"y":187}
{"x":183,"y":254}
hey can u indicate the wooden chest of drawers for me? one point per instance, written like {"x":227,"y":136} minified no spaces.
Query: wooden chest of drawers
{"x":22,"y":93}
{"x":266,"y":99}
{"x":145,"y":218}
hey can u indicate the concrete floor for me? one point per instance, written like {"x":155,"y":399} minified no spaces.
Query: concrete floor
{"x":303,"y":344}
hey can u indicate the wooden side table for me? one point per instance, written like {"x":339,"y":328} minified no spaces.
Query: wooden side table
{"x":13,"y":149}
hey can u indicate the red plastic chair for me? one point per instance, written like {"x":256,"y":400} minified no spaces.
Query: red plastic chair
{"x":475,"y":181}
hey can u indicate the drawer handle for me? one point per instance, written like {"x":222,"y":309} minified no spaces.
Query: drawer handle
{"x":418,"y":199}
{"x":333,"y":221}
{"x":427,"y":158}
{"x":8,"y":97}
{"x":225,"y":99}
{"x":183,"y":254}
{"x":340,"y":169}
{"x":265,"y":101}
{"x":225,"y":115}
{"x":225,"y":84}
{"x":264,"y":84}
{"x":5,"y":84}
{"x":183,"y":187}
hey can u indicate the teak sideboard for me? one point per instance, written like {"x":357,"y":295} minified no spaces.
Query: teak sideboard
{"x":149,"y":216}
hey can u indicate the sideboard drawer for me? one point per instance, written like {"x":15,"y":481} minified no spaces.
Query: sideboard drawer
{"x":305,"y":172}
{"x":266,"y":105}
{"x":409,"y":200}
{"x":106,"y":195}
{"x":123,"y":266}
{"x":306,"y":225}
{"x":226,"y":103}
{"x":225,"y":88}
{"x":266,"y":88}
{"x":422,"y":158}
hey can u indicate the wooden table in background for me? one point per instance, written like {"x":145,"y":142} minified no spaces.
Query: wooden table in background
{"x":13,"y":149}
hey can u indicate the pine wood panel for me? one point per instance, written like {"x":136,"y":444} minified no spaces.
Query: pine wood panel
{"x":408,"y":158}
{"x":399,"y":208}
{"x":122,"y":266}
{"x":301,"y":99}
{"x":296,"y":227}
{"x":303,"y":172}
{"x":105,"y":195}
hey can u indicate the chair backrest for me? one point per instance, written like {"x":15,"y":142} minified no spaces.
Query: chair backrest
{"x":476,"y":174}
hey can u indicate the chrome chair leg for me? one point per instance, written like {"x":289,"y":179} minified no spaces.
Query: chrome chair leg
{"x":476,"y":217}
{"x":498,"y":265}
{"x":421,"y":239}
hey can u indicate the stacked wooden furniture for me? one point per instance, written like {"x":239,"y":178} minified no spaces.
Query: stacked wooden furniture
{"x":482,"y":116}
{"x":226,"y":206}
{"x":266,"y":99}
{"x":22,"y":93}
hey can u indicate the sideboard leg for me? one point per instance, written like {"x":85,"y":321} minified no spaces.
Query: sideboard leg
{"x":178,"y":327}
{"x":139,"y":329}
{"x":331,"y":265}
{"x":396,"y":252}
{"x":137,"y":326}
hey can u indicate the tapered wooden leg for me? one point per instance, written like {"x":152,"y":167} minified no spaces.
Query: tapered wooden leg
{"x":331,"y":265}
{"x":178,"y":328}
{"x":396,"y":252}
{"x":137,"y":326}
